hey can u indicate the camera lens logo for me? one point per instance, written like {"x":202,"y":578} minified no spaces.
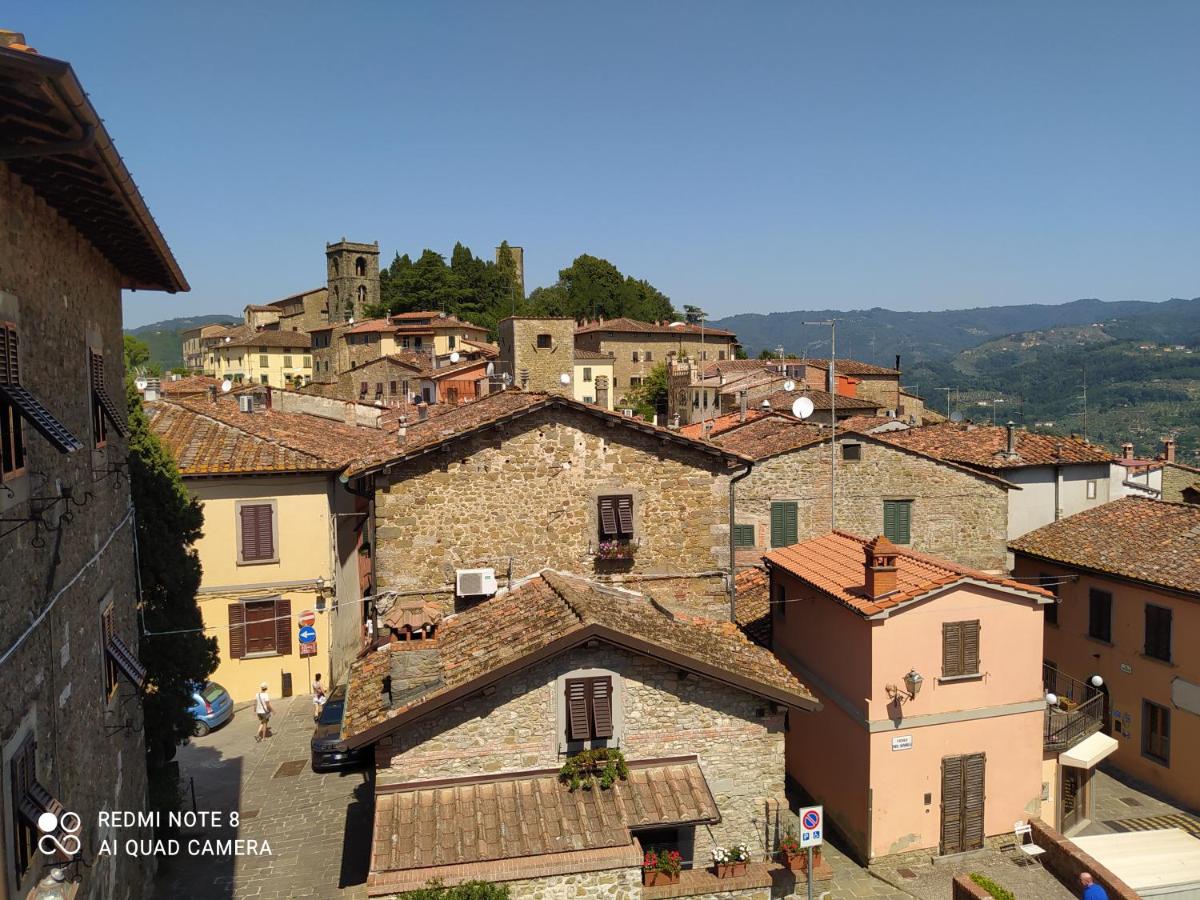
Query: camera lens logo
{"x":48,"y":823}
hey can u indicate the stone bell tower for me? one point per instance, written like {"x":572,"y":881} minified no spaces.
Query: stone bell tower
{"x":352,"y":271}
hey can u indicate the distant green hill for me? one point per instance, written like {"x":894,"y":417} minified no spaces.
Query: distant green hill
{"x":165,"y":338}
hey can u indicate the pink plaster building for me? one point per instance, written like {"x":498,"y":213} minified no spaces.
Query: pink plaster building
{"x":930,"y":676}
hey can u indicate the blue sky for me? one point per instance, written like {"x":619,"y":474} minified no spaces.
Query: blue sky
{"x":743,"y":157}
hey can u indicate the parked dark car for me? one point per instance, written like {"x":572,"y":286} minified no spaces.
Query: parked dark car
{"x":327,"y":750}
{"x":211,"y":706}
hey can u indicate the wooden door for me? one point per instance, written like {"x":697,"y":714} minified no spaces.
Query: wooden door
{"x":962,"y":802}
{"x":1072,"y":797}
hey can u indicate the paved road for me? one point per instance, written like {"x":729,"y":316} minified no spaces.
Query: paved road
{"x":318,"y":825}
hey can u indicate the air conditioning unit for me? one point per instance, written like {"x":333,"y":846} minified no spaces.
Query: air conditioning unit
{"x":246,"y":403}
{"x":475,"y":582}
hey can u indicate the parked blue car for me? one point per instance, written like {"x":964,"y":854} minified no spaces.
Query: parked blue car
{"x":213,"y":706}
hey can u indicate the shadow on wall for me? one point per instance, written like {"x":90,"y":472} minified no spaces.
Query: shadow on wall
{"x":356,"y":836}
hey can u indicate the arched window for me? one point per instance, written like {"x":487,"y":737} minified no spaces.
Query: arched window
{"x":362,"y":293}
{"x":333,"y":265}
{"x":360,"y":267}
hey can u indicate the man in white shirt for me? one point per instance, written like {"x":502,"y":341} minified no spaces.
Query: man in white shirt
{"x":262,"y":707}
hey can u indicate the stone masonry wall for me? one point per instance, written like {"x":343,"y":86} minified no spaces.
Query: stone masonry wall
{"x":610,"y":884}
{"x":1175,"y":478}
{"x":738,"y":738}
{"x":518,"y":345}
{"x":956,"y":515}
{"x":525,"y":494}
{"x":65,"y":298}
{"x":622,"y":345}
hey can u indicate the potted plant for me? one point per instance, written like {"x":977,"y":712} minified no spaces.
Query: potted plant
{"x":661,"y":867}
{"x":615,"y":549}
{"x":789,"y":847}
{"x":603,"y":765}
{"x":731,"y":862}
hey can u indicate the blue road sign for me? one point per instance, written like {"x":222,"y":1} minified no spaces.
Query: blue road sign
{"x":308,"y":634}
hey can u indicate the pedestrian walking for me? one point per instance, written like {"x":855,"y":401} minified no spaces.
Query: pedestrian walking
{"x":1091,"y":890}
{"x":318,"y":695}
{"x":262,"y":706}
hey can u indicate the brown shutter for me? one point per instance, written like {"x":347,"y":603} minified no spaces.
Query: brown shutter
{"x":249,"y":532}
{"x":237,"y":630}
{"x":951,"y":649}
{"x":283,"y":626}
{"x":952,"y":803}
{"x":577,"y":717}
{"x":973,"y":795}
{"x":608,"y":517}
{"x":9,"y":373}
{"x":625,"y":515}
{"x":602,"y":707}
{"x":266,"y":534}
{"x":970,"y":647}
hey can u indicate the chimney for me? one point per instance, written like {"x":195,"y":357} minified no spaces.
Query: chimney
{"x":1168,"y":451}
{"x":422,"y":411}
{"x":1010,"y":447}
{"x":898,"y":362}
{"x":270,"y":405}
{"x":742,"y":397}
{"x":879,"y":568}
{"x":212,"y":393}
{"x":402,"y":429}
{"x":1127,"y":450}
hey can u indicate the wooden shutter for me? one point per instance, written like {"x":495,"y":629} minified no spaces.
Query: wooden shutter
{"x":952,"y":804}
{"x":970,"y":647}
{"x":237,"y":630}
{"x":952,"y":643}
{"x":100,"y":390}
{"x":783,"y":524}
{"x":602,"y":707}
{"x":23,"y":769}
{"x":577,"y":717}
{"x":9,"y":373}
{"x":973,"y":797}
{"x":625,"y":515}
{"x":258,"y":536}
{"x":608,"y":517}
{"x":283,"y":626}
{"x":904,"y":521}
{"x":889,"y":520}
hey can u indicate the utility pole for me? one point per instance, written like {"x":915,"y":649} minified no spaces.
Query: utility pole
{"x":832,"y":324}
{"x":947,"y":390}
{"x":1085,"y":401}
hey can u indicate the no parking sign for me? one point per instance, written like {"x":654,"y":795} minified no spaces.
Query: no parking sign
{"x":812,"y":824}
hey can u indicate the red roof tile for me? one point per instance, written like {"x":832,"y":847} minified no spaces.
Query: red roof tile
{"x":698,"y":431}
{"x":625,"y":324}
{"x":770,"y":435}
{"x":984,"y":446}
{"x":834,"y":565}
{"x":1152,"y":541}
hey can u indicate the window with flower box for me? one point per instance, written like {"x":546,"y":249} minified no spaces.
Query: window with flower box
{"x":615,"y":517}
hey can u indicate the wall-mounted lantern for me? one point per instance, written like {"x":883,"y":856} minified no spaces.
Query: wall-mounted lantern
{"x":912,"y":687}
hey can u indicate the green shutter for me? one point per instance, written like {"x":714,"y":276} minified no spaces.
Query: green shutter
{"x":897,"y":521}
{"x":743,"y":536}
{"x":783,"y":524}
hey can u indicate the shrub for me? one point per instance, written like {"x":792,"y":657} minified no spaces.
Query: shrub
{"x":1000,"y":893}
{"x":468,"y":890}
{"x":584,"y":769}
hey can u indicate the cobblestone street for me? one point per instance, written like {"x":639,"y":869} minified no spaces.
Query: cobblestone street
{"x":309,"y":819}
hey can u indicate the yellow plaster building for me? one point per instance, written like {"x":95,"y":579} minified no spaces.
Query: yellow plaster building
{"x":277,"y":358}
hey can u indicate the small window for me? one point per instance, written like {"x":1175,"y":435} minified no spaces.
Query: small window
{"x":704,"y":354}
{"x":589,"y":708}
{"x":264,"y":379}
{"x":851,"y":452}
{"x":451,"y":340}
{"x":392,"y":388}
{"x":287,"y":362}
{"x":1100,"y":615}
{"x":635,"y":382}
{"x":362,"y":294}
{"x":960,"y":648}
{"x":417,"y":342}
{"x":264,"y":361}
{"x":306,"y":362}
{"x":362,"y":389}
{"x":404,"y":343}
{"x":256,"y":535}
{"x":264,"y":350}
{"x":379,"y":389}
{"x":720,"y":354}
{"x":104,"y":410}
{"x":635,"y":356}
{"x":897,"y":521}
{"x":260,"y":627}
{"x":615,"y":515}
{"x":783,"y":524}
{"x":696,"y":400}
{"x":743,"y":536}
{"x":1158,"y":632}
{"x":648,"y":356}
{"x":1050,"y":610}
{"x":1156,"y":732}
{"x":587,"y":373}
{"x":543,"y":342}
{"x":1091,"y":490}
{"x":360,"y":267}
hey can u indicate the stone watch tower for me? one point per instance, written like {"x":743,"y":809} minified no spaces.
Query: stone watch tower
{"x":353,"y":277}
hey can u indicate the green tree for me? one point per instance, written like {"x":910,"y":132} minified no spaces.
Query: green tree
{"x":169,"y":522}
{"x":137,"y":357}
{"x":650,"y":397}
{"x":468,"y":890}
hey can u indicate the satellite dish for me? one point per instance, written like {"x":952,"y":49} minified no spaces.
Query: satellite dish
{"x":564,"y":378}
{"x":802,"y":408}
{"x":955,"y":417}
{"x":491,"y":369}
{"x":141,"y":383}
{"x":454,"y":357}
{"x":228,"y":339}
{"x":226,"y":386}
{"x":789,"y":385}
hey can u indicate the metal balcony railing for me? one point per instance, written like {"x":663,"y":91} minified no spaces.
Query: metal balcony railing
{"x":1077,"y":713}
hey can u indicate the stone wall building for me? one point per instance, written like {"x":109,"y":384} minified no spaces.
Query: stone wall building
{"x":538,"y":352}
{"x":499,"y":697}
{"x":519,"y":481}
{"x":918,"y":501}
{"x":1180,"y":483}
{"x":353,"y":273}
{"x":71,"y":728}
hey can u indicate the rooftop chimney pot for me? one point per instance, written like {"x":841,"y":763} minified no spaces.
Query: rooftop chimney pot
{"x":1127,"y":450}
{"x":1011,"y":444}
{"x":1168,"y":446}
{"x":879,"y":567}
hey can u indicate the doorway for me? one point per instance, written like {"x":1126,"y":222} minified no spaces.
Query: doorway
{"x":962,"y":802}
{"x":1074,"y":797}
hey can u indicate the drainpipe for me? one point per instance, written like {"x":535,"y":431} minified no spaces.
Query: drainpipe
{"x":1057,"y":483}
{"x":732,"y":551}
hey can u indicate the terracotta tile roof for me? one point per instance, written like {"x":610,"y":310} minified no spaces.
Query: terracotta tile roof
{"x":262,"y":308}
{"x":624,"y":324}
{"x":493,"y":408}
{"x":523,"y":814}
{"x":754,"y":605}
{"x":720,"y":423}
{"x":983,"y":446}
{"x":769,"y":436}
{"x":865,"y":424}
{"x":292,"y":298}
{"x":852,"y":367}
{"x":301,"y":340}
{"x":415,"y":362}
{"x":490,"y":351}
{"x":433,"y":319}
{"x":195,"y":384}
{"x":834,"y":565}
{"x":371,"y":325}
{"x":842,"y":367}
{"x":822,"y":400}
{"x":1152,"y":541}
{"x":580,"y":353}
{"x":209,"y":438}
{"x":547,"y":613}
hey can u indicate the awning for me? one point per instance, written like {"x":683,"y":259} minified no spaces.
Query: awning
{"x":1160,"y":863}
{"x":1088,"y":752}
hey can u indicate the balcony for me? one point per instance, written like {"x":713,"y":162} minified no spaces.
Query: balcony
{"x":1078,"y":710}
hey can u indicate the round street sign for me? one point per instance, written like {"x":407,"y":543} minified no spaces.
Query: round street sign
{"x":308,"y":634}
{"x":308,"y":617}
{"x":812,"y":819}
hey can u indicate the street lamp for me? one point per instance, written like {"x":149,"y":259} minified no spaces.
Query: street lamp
{"x":912,"y":686}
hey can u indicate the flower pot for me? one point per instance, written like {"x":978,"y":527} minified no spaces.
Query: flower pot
{"x":654,"y":878}
{"x":731,"y":869}
{"x":794,"y":861}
